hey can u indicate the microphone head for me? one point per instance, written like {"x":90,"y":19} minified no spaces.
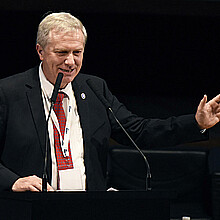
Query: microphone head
{"x":59,"y":79}
{"x":56,"y":87}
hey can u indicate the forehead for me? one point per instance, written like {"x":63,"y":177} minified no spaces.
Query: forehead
{"x":74,"y":37}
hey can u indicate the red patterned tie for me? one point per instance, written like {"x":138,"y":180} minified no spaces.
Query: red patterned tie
{"x":63,"y":163}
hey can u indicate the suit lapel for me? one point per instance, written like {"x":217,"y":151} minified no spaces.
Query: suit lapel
{"x":80,"y":93}
{"x":35,"y":101}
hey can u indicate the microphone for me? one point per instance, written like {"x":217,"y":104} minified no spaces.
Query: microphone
{"x":53,"y":100}
{"x":108,"y":107}
{"x":56,"y":87}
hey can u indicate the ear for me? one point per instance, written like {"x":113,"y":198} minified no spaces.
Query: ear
{"x":40,"y":51}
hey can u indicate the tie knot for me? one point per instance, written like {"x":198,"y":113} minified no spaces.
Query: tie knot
{"x":60,"y":96}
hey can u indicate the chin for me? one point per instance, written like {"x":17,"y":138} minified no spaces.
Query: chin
{"x":67,"y":80}
{"x":71,"y":78}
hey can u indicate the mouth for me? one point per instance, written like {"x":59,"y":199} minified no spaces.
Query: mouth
{"x":67,"y":71}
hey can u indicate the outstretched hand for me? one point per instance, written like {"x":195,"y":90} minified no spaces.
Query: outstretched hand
{"x":208,"y":113}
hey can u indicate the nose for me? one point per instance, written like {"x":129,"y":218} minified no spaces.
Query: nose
{"x":70,"y":60}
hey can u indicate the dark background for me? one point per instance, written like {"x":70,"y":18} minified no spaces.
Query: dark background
{"x":158,"y":57}
{"x":144,"y":48}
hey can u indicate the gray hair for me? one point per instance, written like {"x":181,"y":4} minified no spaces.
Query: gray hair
{"x":62,"y":21}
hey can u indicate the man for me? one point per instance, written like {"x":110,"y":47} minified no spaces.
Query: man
{"x":77,"y":156}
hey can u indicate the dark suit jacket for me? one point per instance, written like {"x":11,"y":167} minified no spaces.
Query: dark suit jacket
{"x":22,"y":128}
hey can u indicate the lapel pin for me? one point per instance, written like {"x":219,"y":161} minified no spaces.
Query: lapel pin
{"x":83,"y":95}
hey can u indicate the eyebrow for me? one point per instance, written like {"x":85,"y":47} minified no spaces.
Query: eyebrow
{"x":64,"y":49}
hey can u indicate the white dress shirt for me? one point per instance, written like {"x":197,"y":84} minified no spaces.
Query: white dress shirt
{"x":70,"y":179}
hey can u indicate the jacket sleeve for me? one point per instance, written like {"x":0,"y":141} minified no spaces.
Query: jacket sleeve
{"x":7,"y":177}
{"x":150,"y":133}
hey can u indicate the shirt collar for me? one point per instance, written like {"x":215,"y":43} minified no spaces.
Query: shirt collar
{"x":48,"y":86}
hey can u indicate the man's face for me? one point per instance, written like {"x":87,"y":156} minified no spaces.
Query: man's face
{"x":63,"y":53}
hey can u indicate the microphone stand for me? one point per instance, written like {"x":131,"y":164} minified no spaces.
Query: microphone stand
{"x":148,"y":176}
{"x":108,"y":107}
{"x":53,"y":100}
{"x":44,"y":178}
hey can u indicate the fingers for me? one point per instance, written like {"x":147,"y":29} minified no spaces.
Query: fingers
{"x":217,"y":98}
{"x":215,"y":101}
{"x":30,"y":183}
{"x":203,"y":102}
{"x":50,"y":188}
